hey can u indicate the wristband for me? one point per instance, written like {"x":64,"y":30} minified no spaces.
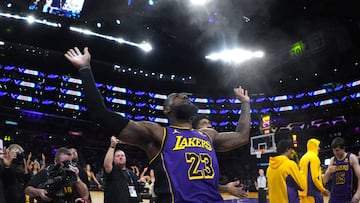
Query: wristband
{"x":96,"y":107}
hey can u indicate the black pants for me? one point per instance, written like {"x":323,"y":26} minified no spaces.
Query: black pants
{"x":262,"y":195}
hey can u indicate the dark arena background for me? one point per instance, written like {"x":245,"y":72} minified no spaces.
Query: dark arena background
{"x":304,"y":84}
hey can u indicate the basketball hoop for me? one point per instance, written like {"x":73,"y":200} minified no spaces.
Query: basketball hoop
{"x":258,"y":153}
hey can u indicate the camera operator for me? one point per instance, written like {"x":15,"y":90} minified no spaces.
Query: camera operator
{"x":59,"y":182}
{"x":15,"y":174}
{"x":82,"y":173}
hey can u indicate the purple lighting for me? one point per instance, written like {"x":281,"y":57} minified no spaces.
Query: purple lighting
{"x":3,"y":94}
{"x":9,"y":67}
{"x":219,"y":101}
{"x":47,"y":102}
{"x":138,"y":118}
{"x":261,"y":99}
{"x":339,"y":120}
{"x":49,"y":88}
{"x":224,"y":123}
{"x":225,"y":111}
{"x":305,"y":106}
{"x":319,"y":122}
{"x":5,"y":79}
{"x":52,"y":76}
{"x":139,"y":93}
{"x":300,"y":95}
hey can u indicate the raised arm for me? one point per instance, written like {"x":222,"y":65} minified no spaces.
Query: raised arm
{"x":43,"y":164}
{"x":109,"y":157}
{"x":136,"y":171}
{"x":329,"y":171}
{"x":226,"y":141}
{"x":142,"y":175}
{"x":28,"y":161}
{"x":143,"y":134}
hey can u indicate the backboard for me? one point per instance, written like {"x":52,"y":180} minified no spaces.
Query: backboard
{"x":265,"y":143}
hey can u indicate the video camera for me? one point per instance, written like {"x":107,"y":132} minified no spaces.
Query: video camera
{"x":57,"y":178}
{"x":20,"y":156}
{"x":19,"y":160}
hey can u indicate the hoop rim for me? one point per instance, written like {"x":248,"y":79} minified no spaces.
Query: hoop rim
{"x":259,"y":151}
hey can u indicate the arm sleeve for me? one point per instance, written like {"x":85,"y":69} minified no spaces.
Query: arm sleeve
{"x":95,"y":104}
{"x":38,"y":178}
{"x":298,"y":176}
{"x":316,"y":174}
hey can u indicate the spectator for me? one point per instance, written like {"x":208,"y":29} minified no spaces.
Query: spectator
{"x":66,"y":189}
{"x":121,"y":184}
{"x":92,"y":179}
{"x":16,"y":175}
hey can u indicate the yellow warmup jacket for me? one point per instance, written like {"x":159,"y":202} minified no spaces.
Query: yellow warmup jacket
{"x":310,"y":166}
{"x":284,"y":180}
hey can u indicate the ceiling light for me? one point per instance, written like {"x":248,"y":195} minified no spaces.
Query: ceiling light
{"x":30,"y":19}
{"x":198,"y":2}
{"x":146,"y":47}
{"x":235,"y":55}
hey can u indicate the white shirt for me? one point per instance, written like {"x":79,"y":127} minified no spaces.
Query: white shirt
{"x":261,"y":182}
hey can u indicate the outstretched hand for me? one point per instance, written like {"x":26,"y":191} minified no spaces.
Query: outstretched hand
{"x":78,"y":59}
{"x":242,"y":94}
{"x":236,"y":191}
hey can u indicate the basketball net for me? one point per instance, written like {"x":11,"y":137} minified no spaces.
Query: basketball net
{"x":258,"y":153}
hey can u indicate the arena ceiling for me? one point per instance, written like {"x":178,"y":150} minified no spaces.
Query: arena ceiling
{"x":182,"y":35}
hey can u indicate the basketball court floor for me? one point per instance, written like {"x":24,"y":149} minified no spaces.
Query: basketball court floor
{"x":98,"y":197}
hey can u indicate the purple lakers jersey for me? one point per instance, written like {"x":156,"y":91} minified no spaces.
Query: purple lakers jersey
{"x":186,"y":168}
{"x":342,"y":180}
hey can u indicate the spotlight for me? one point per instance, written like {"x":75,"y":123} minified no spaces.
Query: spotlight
{"x":145,"y":46}
{"x":30,"y":19}
{"x":198,"y":2}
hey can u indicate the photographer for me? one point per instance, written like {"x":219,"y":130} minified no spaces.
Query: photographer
{"x":15,"y":174}
{"x":58,"y":183}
